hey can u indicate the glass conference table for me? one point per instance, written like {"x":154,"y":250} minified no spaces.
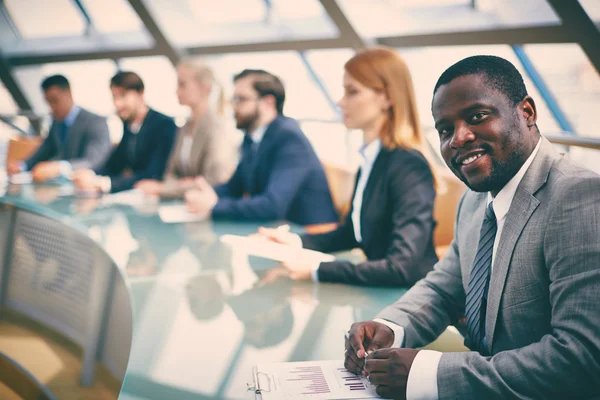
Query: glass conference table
{"x":203,"y":313}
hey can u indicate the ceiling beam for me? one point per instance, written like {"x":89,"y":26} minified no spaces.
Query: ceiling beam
{"x":578,"y":23}
{"x":538,"y":34}
{"x":162,"y":45}
{"x":290,"y":45}
{"x":12,"y":86}
{"x":81,"y":56}
{"x":347,"y":31}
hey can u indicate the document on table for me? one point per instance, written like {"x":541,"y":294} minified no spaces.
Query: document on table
{"x":132,"y":197}
{"x":22,"y":178}
{"x":316,"y":380}
{"x":176,"y":213}
{"x":275,"y":251}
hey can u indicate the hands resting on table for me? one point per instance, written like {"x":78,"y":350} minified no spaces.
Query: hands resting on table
{"x":368,"y":353}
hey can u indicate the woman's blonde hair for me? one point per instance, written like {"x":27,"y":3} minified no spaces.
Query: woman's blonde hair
{"x":205,"y":75}
{"x":382,"y":69}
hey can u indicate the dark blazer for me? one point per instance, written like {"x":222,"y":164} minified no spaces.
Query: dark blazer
{"x":288,"y":182}
{"x":87,"y":145}
{"x":148,"y":161}
{"x":396,"y":226}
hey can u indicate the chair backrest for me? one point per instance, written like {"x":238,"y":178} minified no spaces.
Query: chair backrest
{"x":341,"y":181}
{"x":21,"y":148}
{"x":450,"y":191}
{"x":25,"y":385}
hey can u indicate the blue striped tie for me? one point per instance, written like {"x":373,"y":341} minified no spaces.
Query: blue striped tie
{"x":479,"y":281}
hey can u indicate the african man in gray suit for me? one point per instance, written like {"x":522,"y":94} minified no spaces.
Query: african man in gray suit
{"x":77,"y":138}
{"x":523,"y":269}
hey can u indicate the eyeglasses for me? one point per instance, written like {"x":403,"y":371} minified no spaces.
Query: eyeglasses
{"x":242,"y":99}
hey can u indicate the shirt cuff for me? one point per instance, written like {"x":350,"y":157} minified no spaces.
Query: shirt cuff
{"x":105,"y":184}
{"x":422,"y":377}
{"x":297,"y":241}
{"x":23,"y":166}
{"x":314,"y":273}
{"x":398,"y":332}
{"x":66,"y":169}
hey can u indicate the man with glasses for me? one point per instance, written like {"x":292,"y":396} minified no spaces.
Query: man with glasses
{"x":279,"y":176}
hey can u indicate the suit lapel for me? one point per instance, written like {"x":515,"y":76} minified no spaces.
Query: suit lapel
{"x":263,"y":148}
{"x":378,"y":169}
{"x":141,"y":135}
{"x":521,"y":209}
{"x":197,"y":150}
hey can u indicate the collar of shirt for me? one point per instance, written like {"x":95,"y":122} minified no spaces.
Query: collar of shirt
{"x":72,"y":115}
{"x":257,"y":134}
{"x":505,"y":197}
{"x":369,"y":152}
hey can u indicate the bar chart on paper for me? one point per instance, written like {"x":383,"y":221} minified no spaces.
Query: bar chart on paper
{"x":319,"y":380}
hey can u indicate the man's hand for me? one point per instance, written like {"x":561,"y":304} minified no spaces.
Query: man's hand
{"x":86,"y":180}
{"x":13,"y":167}
{"x":388,"y":369}
{"x":150,"y":187}
{"x":201,"y":200}
{"x":45,"y":171}
{"x":363,"y":338}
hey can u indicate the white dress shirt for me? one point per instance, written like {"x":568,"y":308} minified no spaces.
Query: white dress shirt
{"x":369,"y":153}
{"x":422,"y":378}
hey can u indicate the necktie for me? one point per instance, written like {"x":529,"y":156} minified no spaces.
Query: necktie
{"x":62,"y":132}
{"x":248,"y":153}
{"x":479,"y":282}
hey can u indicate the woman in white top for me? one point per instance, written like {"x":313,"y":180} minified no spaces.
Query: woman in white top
{"x":391,"y":216}
{"x":202,"y":148}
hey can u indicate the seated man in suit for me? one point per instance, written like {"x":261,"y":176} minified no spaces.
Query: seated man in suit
{"x":77,"y":138}
{"x":279,"y":176}
{"x":147,"y":141}
{"x":530,"y":287}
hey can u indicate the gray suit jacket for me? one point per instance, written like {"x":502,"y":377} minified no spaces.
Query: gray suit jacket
{"x":543,"y":311}
{"x":212,"y":156}
{"x":88,"y":143}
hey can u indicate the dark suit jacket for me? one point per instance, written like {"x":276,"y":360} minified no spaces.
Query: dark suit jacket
{"x":396,"y":226}
{"x":288,"y":181}
{"x":87,"y":145}
{"x":152,"y":148}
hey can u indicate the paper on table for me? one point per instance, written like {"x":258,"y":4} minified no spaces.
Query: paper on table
{"x":132,"y":197}
{"x":177,"y":213}
{"x":22,"y":178}
{"x":274,"y":251}
{"x":317,"y":380}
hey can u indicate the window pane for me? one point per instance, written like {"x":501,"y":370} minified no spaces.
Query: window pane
{"x":427,"y":64}
{"x":390,"y":18}
{"x":89,"y":83}
{"x":7,"y":104}
{"x":304,"y":99}
{"x":592,"y":8}
{"x":573,"y":81}
{"x":110,"y":16}
{"x":197,"y":22}
{"x":43,"y":19}
{"x":160,"y":82}
{"x":329,"y":66}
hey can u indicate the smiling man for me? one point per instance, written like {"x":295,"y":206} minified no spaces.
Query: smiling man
{"x":523,"y":267}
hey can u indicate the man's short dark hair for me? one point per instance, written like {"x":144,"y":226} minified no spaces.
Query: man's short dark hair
{"x":265,"y":84}
{"x":128,"y":80}
{"x":501,"y":75}
{"x":56,"y":80}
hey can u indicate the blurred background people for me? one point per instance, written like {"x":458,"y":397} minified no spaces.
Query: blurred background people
{"x":146,"y":144}
{"x":279,"y":176}
{"x":77,"y":138}
{"x":203,"y":146}
{"x":391,"y":218}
